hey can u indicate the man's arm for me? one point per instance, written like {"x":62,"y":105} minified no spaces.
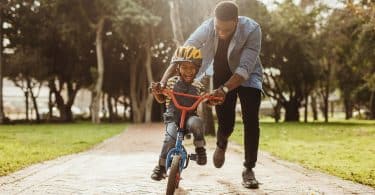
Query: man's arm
{"x":199,"y":37}
{"x":248,"y":59}
{"x":234,"y":81}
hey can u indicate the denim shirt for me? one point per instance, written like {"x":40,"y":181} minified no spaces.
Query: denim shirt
{"x":243,"y":50}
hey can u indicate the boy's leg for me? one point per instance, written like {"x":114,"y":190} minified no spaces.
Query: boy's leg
{"x":195,"y":125}
{"x":169,"y":141}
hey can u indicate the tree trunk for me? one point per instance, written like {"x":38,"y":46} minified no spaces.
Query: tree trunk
{"x":148,"y":108}
{"x":325,"y":107}
{"x":314,"y":108}
{"x":26,"y":93}
{"x":50,"y":105}
{"x":65,"y":110}
{"x":348,"y":108}
{"x":137,"y":78}
{"x":95,"y":118}
{"x":209,"y":125}
{"x":306,"y":107}
{"x":207,"y":116}
{"x":33,"y":98}
{"x":277,"y":111}
{"x":291,"y":110}
{"x":372,"y":105}
{"x":178,"y":37}
{"x":67,"y":114}
{"x":115,"y":106}
{"x":2,"y":115}
{"x":104,"y":110}
{"x":150,"y":98}
{"x":110,"y":108}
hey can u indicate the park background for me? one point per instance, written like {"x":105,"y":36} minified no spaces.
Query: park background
{"x":75,"y":72}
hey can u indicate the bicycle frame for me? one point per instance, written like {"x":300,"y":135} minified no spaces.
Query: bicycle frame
{"x":179,"y":149}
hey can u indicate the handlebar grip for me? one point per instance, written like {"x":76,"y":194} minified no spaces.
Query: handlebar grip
{"x":215,"y":98}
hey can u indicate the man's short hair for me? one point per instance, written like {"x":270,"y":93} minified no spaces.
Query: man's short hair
{"x":226,"y":10}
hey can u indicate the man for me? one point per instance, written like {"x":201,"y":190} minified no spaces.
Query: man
{"x":231,"y":44}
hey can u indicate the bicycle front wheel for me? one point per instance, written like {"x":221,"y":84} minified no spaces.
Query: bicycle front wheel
{"x":174,"y":175}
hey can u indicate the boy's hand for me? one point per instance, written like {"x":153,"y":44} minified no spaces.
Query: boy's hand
{"x":156,"y":90}
{"x":156,"y":87}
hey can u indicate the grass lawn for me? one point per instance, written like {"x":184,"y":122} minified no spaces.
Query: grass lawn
{"x":344,"y":149}
{"x":23,"y":145}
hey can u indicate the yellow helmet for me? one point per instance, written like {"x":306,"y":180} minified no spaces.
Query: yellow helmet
{"x":188,"y":54}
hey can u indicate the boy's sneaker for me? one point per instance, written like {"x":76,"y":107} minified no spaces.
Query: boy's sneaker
{"x":248,"y":179}
{"x":201,"y":154}
{"x":158,"y":173}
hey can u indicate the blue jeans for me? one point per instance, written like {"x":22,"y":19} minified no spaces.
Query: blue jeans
{"x":194,"y":125}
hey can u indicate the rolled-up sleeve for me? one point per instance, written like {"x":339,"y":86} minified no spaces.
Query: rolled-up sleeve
{"x":250,"y":53}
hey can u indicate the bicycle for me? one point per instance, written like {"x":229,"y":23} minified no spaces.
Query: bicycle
{"x":177,"y":157}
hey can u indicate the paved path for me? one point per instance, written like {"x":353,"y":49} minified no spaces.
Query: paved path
{"x":122,"y":165}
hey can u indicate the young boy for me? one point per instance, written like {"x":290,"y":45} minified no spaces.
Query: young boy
{"x":188,"y":60}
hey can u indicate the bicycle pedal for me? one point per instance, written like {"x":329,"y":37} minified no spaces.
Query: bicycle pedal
{"x":193,"y":157}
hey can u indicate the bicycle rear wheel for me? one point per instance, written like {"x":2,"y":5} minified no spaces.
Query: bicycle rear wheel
{"x":174,"y":175}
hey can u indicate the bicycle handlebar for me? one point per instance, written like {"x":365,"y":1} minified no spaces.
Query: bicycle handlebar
{"x":199,"y":98}
{"x":184,"y":109}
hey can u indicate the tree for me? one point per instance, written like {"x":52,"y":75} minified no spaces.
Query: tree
{"x":97,"y":14}
{"x":365,"y":11}
{"x":68,"y":45}
{"x":24,"y":68}
{"x":2,"y":7}
{"x":26,"y":63}
{"x":352,"y":54}
{"x":4,"y":17}
{"x":289,"y":66}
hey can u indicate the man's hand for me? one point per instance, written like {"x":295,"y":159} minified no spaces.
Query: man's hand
{"x":217,"y":93}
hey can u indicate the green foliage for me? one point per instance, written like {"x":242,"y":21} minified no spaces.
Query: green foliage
{"x":315,"y":49}
{"x":344,"y":149}
{"x":23,"y":145}
{"x":287,"y":48}
{"x":352,"y":48}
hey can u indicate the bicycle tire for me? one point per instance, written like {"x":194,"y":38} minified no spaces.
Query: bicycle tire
{"x":174,"y":175}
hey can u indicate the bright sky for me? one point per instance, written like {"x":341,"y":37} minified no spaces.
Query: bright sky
{"x":270,"y":3}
